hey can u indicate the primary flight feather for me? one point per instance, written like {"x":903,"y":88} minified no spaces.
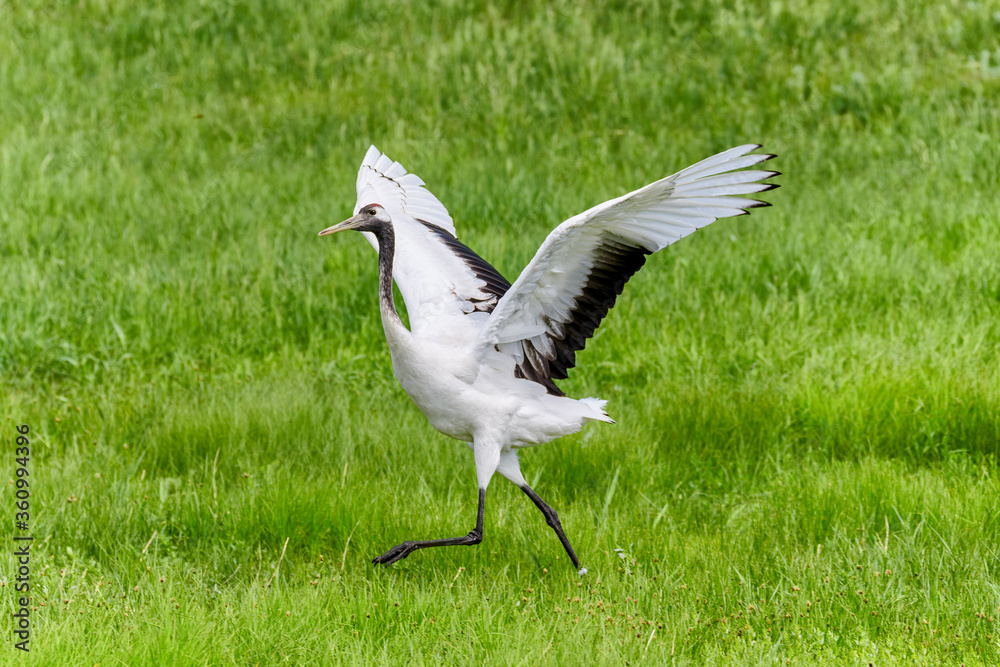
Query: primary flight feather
{"x":481,"y":356}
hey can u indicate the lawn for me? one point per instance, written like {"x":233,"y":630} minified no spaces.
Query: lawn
{"x":806,"y":465}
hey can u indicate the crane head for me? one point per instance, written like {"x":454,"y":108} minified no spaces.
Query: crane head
{"x":369,"y":219}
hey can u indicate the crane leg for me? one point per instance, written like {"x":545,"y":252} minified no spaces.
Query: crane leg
{"x":475,"y":536}
{"x":552,"y":519}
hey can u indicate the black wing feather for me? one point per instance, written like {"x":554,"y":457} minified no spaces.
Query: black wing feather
{"x":615,"y":261}
{"x":495,"y":284}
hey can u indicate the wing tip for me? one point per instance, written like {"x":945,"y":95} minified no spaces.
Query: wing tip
{"x":765,"y":187}
{"x":761,"y":157}
{"x":757,"y":203}
{"x":371,"y":156}
{"x":408,"y":192}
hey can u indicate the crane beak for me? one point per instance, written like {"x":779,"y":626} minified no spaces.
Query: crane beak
{"x":350,"y":223}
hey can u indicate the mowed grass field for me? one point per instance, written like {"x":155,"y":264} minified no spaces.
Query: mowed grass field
{"x":805,"y":465}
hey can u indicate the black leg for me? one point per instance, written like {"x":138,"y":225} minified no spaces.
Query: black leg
{"x":552,"y":519}
{"x":401,"y":551}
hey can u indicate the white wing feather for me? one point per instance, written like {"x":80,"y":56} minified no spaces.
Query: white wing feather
{"x":440,"y":290}
{"x":544,"y":304}
{"x":401,"y":194}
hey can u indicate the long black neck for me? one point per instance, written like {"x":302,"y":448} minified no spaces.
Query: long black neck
{"x":386,"y":251}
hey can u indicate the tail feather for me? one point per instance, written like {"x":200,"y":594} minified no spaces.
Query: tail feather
{"x":597,"y":406}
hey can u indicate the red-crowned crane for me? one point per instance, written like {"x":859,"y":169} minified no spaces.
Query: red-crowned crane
{"x":481,"y":356}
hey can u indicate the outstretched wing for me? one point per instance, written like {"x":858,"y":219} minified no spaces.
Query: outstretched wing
{"x":448,"y":289}
{"x":401,"y":194}
{"x":573,"y":280}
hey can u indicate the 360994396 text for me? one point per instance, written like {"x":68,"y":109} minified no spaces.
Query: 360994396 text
{"x":22,"y":539}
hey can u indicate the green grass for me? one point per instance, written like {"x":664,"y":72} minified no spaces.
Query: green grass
{"x":805,"y":467}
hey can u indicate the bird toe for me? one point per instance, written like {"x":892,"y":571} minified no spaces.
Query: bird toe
{"x":397,"y":553}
